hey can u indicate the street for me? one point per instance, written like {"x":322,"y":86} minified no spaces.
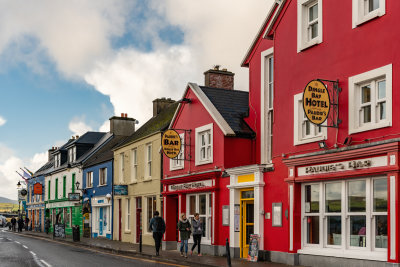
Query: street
{"x":19,"y":250}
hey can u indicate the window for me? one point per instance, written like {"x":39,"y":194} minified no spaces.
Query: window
{"x":56,"y":189}
{"x":204,"y":144}
{"x":89,"y":179}
{"x":64,"y":186}
{"x":179,"y":162}
{"x":73,"y":183}
{"x":121,"y":167}
{"x":365,"y":10}
{"x":151,"y":208}
{"x":134,"y":174}
{"x":309,"y":23}
{"x":148,"y":160}
{"x":370,"y":95}
{"x":346,"y":215}
{"x":270,"y":107}
{"x":103,"y":176}
{"x":128,"y":215}
{"x":304,"y":130}
{"x":57,"y":160}
{"x":49,"y":190}
{"x":202,"y":204}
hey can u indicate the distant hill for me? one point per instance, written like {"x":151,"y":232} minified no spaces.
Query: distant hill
{"x":7,"y":200}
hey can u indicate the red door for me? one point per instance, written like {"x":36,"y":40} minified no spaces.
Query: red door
{"x":119,"y":221}
{"x":138,"y":218}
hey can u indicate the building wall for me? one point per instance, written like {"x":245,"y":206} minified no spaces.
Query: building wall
{"x":143,"y":187}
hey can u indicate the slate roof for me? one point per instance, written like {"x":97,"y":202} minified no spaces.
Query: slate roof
{"x":155,"y":124}
{"x":87,"y":138}
{"x":105,"y":153}
{"x":233,"y":105}
{"x":45,"y":168}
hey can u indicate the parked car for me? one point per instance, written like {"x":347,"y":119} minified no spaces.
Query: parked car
{"x":3,"y":221}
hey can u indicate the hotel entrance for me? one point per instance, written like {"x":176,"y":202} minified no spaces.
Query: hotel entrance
{"x":247,"y":220}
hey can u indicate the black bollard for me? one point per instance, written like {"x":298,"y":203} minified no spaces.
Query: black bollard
{"x":140,"y":242}
{"x":228,"y":253}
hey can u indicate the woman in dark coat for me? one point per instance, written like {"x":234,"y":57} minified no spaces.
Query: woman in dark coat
{"x":197,"y":233}
{"x":184,"y":230}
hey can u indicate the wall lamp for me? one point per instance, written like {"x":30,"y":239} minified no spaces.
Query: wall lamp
{"x":78,"y":189}
{"x":322,"y":144}
{"x":347,"y":141}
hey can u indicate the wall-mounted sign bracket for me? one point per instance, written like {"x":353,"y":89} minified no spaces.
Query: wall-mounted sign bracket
{"x":333,"y":119}
{"x":187,"y":156}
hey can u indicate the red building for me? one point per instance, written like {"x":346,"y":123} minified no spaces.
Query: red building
{"x":330,"y":191}
{"x":214,"y":137}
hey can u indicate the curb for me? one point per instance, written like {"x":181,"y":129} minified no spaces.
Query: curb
{"x":124,"y":252}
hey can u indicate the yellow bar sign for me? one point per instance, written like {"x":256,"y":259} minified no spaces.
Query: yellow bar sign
{"x":245,"y":178}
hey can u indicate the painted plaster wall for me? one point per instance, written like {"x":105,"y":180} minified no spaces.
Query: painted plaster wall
{"x":52,"y":178}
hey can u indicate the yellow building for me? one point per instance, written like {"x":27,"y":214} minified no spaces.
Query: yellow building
{"x":137,"y":174}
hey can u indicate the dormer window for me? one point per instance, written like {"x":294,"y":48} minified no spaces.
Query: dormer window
{"x":57,"y":160}
{"x":72,"y":154}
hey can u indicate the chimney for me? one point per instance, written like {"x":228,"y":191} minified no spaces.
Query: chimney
{"x":122,"y":125}
{"x":219,"y":78}
{"x":51,"y":150}
{"x":160,"y":103}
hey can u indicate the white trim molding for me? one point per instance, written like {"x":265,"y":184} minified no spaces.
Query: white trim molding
{"x":361,"y":12}
{"x":370,"y":78}
{"x":304,"y":25}
{"x":198,"y":131}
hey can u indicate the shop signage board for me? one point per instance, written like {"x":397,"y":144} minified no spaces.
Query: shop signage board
{"x":74,"y":196}
{"x":225,"y":215}
{"x":189,"y":186}
{"x":59,"y":230}
{"x":171,"y":143}
{"x":120,"y":190}
{"x":236,"y":218}
{"x":316,"y":102}
{"x":22,"y":194}
{"x":343,"y":166}
{"x":37,"y":189}
{"x":253,"y":248}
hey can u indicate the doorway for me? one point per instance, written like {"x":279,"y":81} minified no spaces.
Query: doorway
{"x":247,"y":220}
{"x":138,"y":218}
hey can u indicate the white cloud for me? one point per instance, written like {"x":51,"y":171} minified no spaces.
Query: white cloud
{"x":9,"y":163}
{"x":78,"y":126}
{"x":2,"y":121}
{"x":105,"y":127}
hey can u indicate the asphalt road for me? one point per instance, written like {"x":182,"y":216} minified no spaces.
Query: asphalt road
{"x":18,"y":250}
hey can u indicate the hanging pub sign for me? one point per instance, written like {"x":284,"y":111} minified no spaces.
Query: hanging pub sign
{"x":37,"y":189}
{"x":171,"y":143}
{"x":316,"y":102}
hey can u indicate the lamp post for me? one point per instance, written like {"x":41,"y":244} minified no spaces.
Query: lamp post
{"x":19,"y":201}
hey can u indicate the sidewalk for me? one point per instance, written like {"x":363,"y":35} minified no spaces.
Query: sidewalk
{"x":148,"y":252}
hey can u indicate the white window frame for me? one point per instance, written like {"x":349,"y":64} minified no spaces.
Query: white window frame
{"x":128,"y":215}
{"x":134,"y":165}
{"x":361,"y":15}
{"x":198,"y":132}
{"x":178,"y":163}
{"x":121,"y":167}
{"x":74,"y":154}
{"x":57,"y":160}
{"x":355,"y":83}
{"x":302,"y":24}
{"x":344,"y":249}
{"x":298,"y":120}
{"x":70,"y":155}
{"x":207,"y":216}
{"x":89,"y":179}
{"x":153,"y":209}
{"x":148,"y":160}
{"x":104,"y":171}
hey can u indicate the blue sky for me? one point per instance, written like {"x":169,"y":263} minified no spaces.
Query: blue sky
{"x":66,"y":68}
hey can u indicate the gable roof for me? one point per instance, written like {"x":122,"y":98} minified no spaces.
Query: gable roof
{"x":156,"y":124}
{"x":45,"y":168}
{"x":264,"y":30}
{"x":89,"y":138}
{"x":218,"y":103}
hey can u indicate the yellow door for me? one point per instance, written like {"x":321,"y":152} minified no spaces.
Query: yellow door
{"x":247,"y":220}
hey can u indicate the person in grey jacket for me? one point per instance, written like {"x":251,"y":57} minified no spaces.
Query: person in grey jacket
{"x":197,"y":233}
{"x":184,"y":230}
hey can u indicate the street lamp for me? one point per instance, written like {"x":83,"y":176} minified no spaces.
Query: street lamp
{"x":19,"y":201}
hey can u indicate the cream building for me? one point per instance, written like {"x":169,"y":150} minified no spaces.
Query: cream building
{"x":137,"y":174}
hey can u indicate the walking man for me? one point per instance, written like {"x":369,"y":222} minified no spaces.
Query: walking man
{"x":157,"y":226}
{"x":184,"y":230}
{"x":20,"y":224}
{"x":13,"y":223}
{"x":197,"y":233}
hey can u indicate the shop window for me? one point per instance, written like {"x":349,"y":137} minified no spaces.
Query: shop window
{"x":179,"y":162}
{"x":365,"y":10}
{"x":370,"y":95}
{"x":89,"y":179}
{"x":204,"y":144}
{"x":309,"y":23}
{"x":149,"y":156}
{"x":202,"y":204}
{"x":304,"y":130}
{"x":151,"y":208}
{"x":128,"y":215}
{"x":103,"y":176}
{"x":342,"y":222}
{"x":134,"y":173}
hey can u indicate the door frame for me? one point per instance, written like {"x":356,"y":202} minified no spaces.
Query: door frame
{"x":243,"y":201}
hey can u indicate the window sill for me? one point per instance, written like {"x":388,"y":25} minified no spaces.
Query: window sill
{"x":350,"y":253}
{"x":370,"y":127}
{"x":310,"y":140}
{"x":305,"y":45}
{"x":203,"y":162}
{"x":147,"y":179}
{"x":133,"y":182}
{"x":127,"y":231}
{"x":102,"y":185}
{"x":176,"y":168}
{"x":374,"y":14}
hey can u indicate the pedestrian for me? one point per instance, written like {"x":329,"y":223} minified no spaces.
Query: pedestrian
{"x":26,"y":223}
{"x":157,"y":226}
{"x":197,"y":233}
{"x":47,"y":225}
{"x":20,"y":224}
{"x":13,"y":223}
{"x":184,"y":230}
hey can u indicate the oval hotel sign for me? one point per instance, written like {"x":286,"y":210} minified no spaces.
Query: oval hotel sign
{"x":171,"y":143}
{"x":316,"y":102}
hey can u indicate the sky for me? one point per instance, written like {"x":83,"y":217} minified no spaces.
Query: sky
{"x":66,"y":67}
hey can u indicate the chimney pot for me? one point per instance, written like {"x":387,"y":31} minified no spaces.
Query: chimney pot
{"x":219,"y":78}
{"x":122,"y":115}
{"x":76,"y":137}
{"x":126,"y":115}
